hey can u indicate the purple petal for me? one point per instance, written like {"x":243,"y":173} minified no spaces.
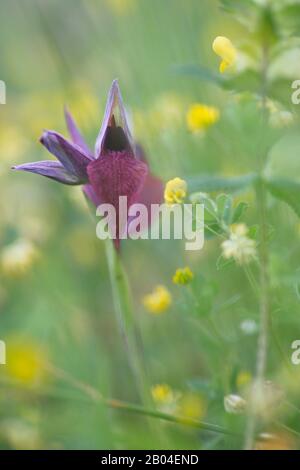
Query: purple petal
{"x":70,"y":155}
{"x":114,"y":103}
{"x":117,"y":174}
{"x":75,"y":133}
{"x":50,"y":169}
{"x":91,"y":195}
{"x":152,"y":191}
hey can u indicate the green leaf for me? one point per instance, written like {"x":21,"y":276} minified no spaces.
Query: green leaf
{"x":239,"y":211}
{"x":287,"y":191}
{"x":198,"y":71}
{"x":248,"y":80}
{"x":224,"y":203}
{"x":232,"y":6}
{"x":267,"y":28}
{"x":211,"y":183}
{"x":280,"y":89}
{"x":288,"y":18}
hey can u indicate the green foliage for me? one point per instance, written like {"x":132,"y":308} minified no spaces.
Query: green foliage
{"x":289,"y":17}
{"x":211,"y":183}
{"x":287,"y":191}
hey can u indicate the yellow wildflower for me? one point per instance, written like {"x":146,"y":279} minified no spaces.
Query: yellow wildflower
{"x":162,"y":393}
{"x":200,"y":116}
{"x":224,"y":48}
{"x":175,"y":191}
{"x":158,"y":301}
{"x":18,"y":257}
{"x":25,"y":361}
{"x":192,"y":406}
{"x":183,"y":276}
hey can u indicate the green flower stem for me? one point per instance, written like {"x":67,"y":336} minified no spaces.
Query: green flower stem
{"x":97,"y":397}
{"x":265,"y":287}
{"x":126,"y":321}
{"x":264,"y":304}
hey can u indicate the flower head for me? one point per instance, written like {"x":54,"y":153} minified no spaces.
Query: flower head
{"x":165,"y":398}
{"x":200,"y":116}
{"x":224,"y":48}
{"x":158,"y":301}
{"x":114,"y":169}
{"x":25,"y":361}
{"x":183,"y":276}
{"x":234,"y":404}
{"x":162,"y":393}
{"x":192,"y":406}
{"x":175,"y":191}
{"x":239,"y":246}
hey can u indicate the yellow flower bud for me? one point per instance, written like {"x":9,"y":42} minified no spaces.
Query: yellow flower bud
{"x":162,"y":393}
{"x":158,"y":301}
{"x":175,"y":191}
{"x":183,"y":276}
{"x":224,"y":48}
{"x":25,"y":361}
{"x":199,"y":117}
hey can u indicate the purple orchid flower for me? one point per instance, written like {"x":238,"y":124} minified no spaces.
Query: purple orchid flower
{"x":117,"y":168}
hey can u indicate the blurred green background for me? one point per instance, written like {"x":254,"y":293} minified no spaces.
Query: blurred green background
{"x":55,"y":295}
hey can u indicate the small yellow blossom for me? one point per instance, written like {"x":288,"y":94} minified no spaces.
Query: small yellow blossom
{"x":183,"y":276}
{"x":192,"y":406}
{"x":239,"y":246}
{"x":25,"y":361}
{"x":162,"y":393}
{"x":158,"y":301}
{"x":243,"y":379}
{"x":200,"y":116}
{"x":18,"y":257}
{"x":224,"y":48}
{"x":175,"y":191}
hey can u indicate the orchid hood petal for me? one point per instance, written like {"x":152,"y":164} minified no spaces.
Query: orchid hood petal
{"x":122,"y":137}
